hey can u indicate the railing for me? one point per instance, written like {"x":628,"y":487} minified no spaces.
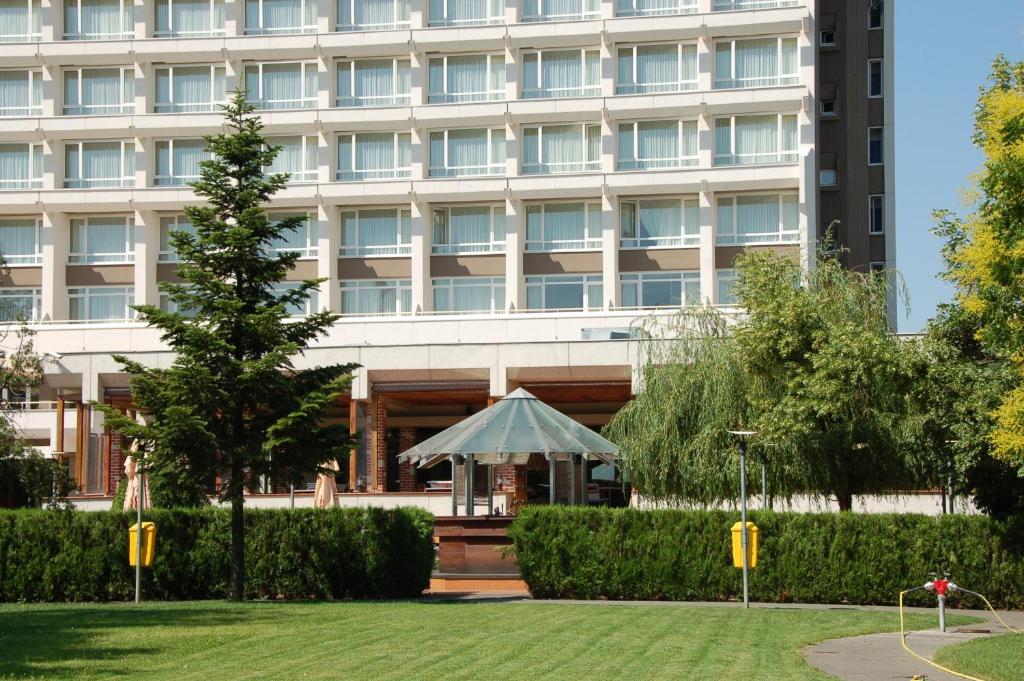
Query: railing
{"x":386,"y":26}
{"x":738,"y":5}
{"x":100,"y":258}
{"x":680,"y":241}
{"x":561,"y":167}
{"x":656,"y":163}
{"x":456,"y":97}
{"x":99,"y":182}
{"x":680,"y":7}
{"x":301,"y":251}
{"x":582,"y":15}
{"x":21,"y":110}
{"x":377,"y":174}
{"x":33,"y":183}
{"x":284,"y":30}
{"x":445,"y":22}
{"x":173,"y":180}
{"x":21,"y":37}
{"x":98,"y":109}
{"x":653,"y":88}
{"x":120,"y":35}
{"x":467,"y":171}
{"x":373,"y":100}
{"x":773,"y":237}
{"x":202,"y":33}
{"x":300,"y":176}
{"x":469,"y":248}
{"x":554,"y":92}
{"x":756,"y":159}
{"x":197,"y":107}
{"x":16,"y":259}
{"x":272,"y":104}
{"x":759,"y":81}
{"x":364,"y":251}
{"x":585,"y":244}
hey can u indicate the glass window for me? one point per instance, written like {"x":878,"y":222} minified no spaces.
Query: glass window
{"x":563,"y":226}
{"x":740,"y":5}
{"x":263,"y":17}
{"x":21,"y":241}
{"x":726,"y":280}
{"x":875,"y":147}
{"x":564,"y":292}
{"x":660,"y":289}
{"x":761,"y":62}
{"x":21,"y":165}
{"x":828,"y":177}
{"x":303,"y":240}
{"x":373,"y":15}
{"x":560,"y":10}
{"x":469,"y":229}
{"x":20,"y":304}
{"x":647,"y":8}
{"x":572,"y":148}
{"x":177,"y":161}
{"x":304,"y":308}
{"x":181,"y":89}
{"x":876,"y":214}
{"x":875,"y":78}
{"x":561,"y":73}
{"x":289,"y":85}
{"x":102,"y":240}
{"x":99,"y":165}
{"x":462,"y":153}
{"x":466,"y":78}
{"x":758,"y":218}
{"x":374,"y":82}
{"x":647,"y":223}
{"x":298,"y":156}
{"x":20,"y":21}
{"x":99,"y":20}
{"x":168,"y":225}
{"x":469,"y":294}
{"x":376,"y":231}
{"x":647,"y":145}
{"x":101,"y":303}
{"x":99,"y":91}
{"x":876,"y":13}
{"x":189,"y":18}
{"x":752,"y":140}
{"x":465,"y":12}
{"x":669,"y":67}
{"x":374,"y":156}
{"x":376,"y":296}
{"x":21,"y":91}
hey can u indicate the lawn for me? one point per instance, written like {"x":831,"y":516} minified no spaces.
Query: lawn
{"x":999,"y":658}
{"x":418,"y":640}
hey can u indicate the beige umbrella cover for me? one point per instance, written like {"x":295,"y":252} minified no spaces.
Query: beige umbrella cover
{"x":325,"y":493}
{"x":131,"y":492}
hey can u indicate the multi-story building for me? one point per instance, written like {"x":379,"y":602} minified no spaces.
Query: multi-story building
{"x":495,"y":190}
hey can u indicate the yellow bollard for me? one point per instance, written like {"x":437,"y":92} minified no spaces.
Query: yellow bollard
{"x":148,"y":543}
{"x":737,"y":545}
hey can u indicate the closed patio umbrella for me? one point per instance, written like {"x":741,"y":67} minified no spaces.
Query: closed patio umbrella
{"x":131,"y":492}
{"x":326,"y":490}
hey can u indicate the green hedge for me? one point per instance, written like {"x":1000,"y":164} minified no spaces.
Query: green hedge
{"x":341,"y":553}
{"x":804,"y":558}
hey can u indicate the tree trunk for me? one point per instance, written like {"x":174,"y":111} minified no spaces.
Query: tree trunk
{"x":845,"y":501}
{"x":237,"y":531}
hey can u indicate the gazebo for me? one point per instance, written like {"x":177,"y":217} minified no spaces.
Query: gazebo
{"x":509,"y":432}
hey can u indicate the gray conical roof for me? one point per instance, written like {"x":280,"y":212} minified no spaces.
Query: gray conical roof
{"x":509,"y":431}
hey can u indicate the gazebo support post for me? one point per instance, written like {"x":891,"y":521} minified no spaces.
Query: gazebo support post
{"x":551,"y":479}
{"x":455,"y":493}
{"x":469,"y":485}
{"x":572,"y":479}
{"x":490,"y":489}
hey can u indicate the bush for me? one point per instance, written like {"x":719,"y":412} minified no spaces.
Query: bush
{"x":341,"y":553}
{"x":804,"y":558}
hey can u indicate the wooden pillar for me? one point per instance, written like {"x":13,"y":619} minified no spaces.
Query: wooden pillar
{"x":80,"y":440}
{"x":107,"y":436}
{"x":353,"y":455}
{"x":60,"y":425}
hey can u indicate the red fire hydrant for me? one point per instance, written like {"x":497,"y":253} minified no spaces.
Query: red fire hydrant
{"x":941,"y":587}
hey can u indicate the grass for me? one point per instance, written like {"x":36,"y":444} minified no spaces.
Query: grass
{"x":418,"y":640}
{"x":999,"y":658}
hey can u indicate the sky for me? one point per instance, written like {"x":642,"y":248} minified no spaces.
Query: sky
{"x":944,"y":49}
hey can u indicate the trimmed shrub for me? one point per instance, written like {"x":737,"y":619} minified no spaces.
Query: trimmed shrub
{"x":341,"y":553}
{"x":804,"y":558}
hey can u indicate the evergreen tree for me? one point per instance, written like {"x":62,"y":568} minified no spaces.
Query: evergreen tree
{"x":234,"y":407}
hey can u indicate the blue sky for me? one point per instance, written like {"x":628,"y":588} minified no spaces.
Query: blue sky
{"x":943,"y":52}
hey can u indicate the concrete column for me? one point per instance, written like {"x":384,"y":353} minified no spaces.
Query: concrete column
{"x":704,"y":6}
{"x":422,"y":290}
{"x":420,"y":139}
{"x":708,"y":287}
{"x":56,"y":241}
{"x":52,"y":20}
{"x":328,"y":243}
{"x":143,"y":18}
{"x":513,"y":147}
{"x":511,"y":64}
{"x":53,"y":91}
{"x":705,"y":140}
{"x":418,"y":86}
{"x":515,"y":242}
{"x":145,"y":161}
{"x":607,"y":57}
{"x":705,"y":63}
{"x":53,"y":164}
{"x":607,"y":142}
{"x":607,"y":9}
{"x":147,"y":249}
{"x":326,"y":83}
{"x":326,"y":17}
{"x":234,"y":76}
{"x":807,"y":48}
{"x":610,"y":251}
{"x":234,"y":17}
{"x":512,"y":12}
{"x":145,"y":93}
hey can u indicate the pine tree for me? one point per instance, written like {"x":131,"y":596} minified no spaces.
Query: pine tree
{"x":233,"y":407}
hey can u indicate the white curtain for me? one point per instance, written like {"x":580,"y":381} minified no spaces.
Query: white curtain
{"x":757,"y":138}
{"x":726,"y":226}
{"x":100,"y":18}
{"x":657,"y":64}
{"x":101,"y":88}
{"x":657,"y":140}
{"x":191,"y":85}
{"x":14,"y":165}
{"x":290,"y":158}
{"x":14,"y":19}
{"x":691,"y":212}
{"x":565,"y":222}
{"x":109,"y":303}
{"x":531,"y":150}
{"x":374,"y":79}
{"x":757,"y":215}
{"x":101,"y":161}
{"x":790,"y":213}
{"x":194,"y":16}
{"x":467,"y":74}
{"x":470,"y":224}
{"x":467,"y":149}
{"x":790,"y":59}
{"x":561,"y":144}
{"x":14,"y":89}
{"x":689,"y":65}
{"x":374,"y":12}
{"x":187,"y":156}
{"x":659,"y":218}
{"x":757,"y":60}
{"x":107,"y":236}
{"x":625,"y":69}
{"x":723,"y":63}
{"x":471,"y":295}
{"x":689,"y":139}
{"x":281,"y":83}
{"x":378,"y":227}
{"x":627,"y":219}
{"x":375,"y":151}
{"x":562,"y":71}
{"x":18,"y":238}
{"x":789,"y":134}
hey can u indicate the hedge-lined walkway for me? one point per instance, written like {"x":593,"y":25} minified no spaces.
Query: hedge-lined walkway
{"x":417,"y":640}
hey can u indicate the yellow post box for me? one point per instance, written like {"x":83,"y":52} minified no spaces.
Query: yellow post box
{"x":148,"y":543}
{"x":737,"y":545}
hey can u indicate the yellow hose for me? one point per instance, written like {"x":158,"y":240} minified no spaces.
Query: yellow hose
{"x":903,"y":635}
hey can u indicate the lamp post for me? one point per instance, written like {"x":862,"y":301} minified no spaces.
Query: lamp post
{"x":139,"y":500}
{"x":743,"y":436}
{"x":949,"y":473}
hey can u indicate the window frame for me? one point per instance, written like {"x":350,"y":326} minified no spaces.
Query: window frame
{"x":88,"y":293}
{"x":123,"y":15}
{"x":312,"y":234}
{"x":288,"y":30}
{"x":465,"y":248}
{"x":871,"y":79}
{"x":175,"y":107}
{"x":35,"y":174}
{"x":880,"y":4}
{"x":783,"y":155}
{"x":637,"y":88}
{"x":34,"y":293}
{"x":682,"y":7}
{"x":492,"y":168}
{"x":821,"y":177}
{"x":171,"y":32}
{"x":684,"y":240}
{"x":35,"y":86}
{"x":781,"y":236}
{"x":395,"y":25}
{"x":306,"y":175}
{"x":123,"y":182}
{"x":732,"y":83}
{"x":35,"y":12}
{"x":543,"y":92}
{"x":395,"y":173}
{"x":169,"y":255}
{"x":725,"y":276}
{"x":107,"y":258}
{"x":539,"y":18}
{"x":873,"y":228}
{"x":546,"y":245}
{"x":172,"y":180}
{"x":402,"y":288}
{"x":400,"y":249}
{"x":396,"y":98}
{"x":637,"y":279}
{"x":493,"y":284}
{"x":447,"y":97}
{"x":880,"y":160}
{"x":123,"y":108}
{"x":587,"y":280}
{"x":444,"y":22}
{"x":544,"y":167}
{"x":307,"y":101}
{"x":23,"y":259}
{"x":649,"y":164}
{"x":821,"y":38}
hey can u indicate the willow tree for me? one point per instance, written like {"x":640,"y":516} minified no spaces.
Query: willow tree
{"x":233,"y":406}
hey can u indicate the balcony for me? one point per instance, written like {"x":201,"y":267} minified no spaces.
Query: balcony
{"x":743,"y":5}
{"x":653,"y":8}
{"x":538,"y":11}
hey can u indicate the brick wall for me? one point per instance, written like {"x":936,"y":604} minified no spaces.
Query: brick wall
{"x":406,"y":469}
{"x":378,"y":448}
{"x":116,"y":463}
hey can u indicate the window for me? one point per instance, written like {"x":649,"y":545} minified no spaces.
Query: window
{"x":101,"y":303}
{"x":828,"y":177}
{"x":560,"y":10}
{"x":367,"y":297}
{"x":298,"y":156}
{"x":574,"y":148}
{"x":189,"y":18}
{"x":182,"y":89}
{"x":303,"y":240}
{"x":876,"y":12}
{"x":876,"y":267}
{"x":660,"y":289}
{"x":828,"y":107}
{"x":875,"y":78}
{"x":561,"y":73}
{"x":827,"y":38}
{"x":469,"y":294}
{"x":99,"y":165}
{"x":876,"y":214}
{"x":21,"y":165}
{"x":21,"y":92}
{"x":563,"y":226}
{"x":466,"y":78}
{"x":564,"y":292}
{"x":266,"y":17}
{"x":282,"y":85}
{"x":468,"y":229}
{"x":98,"y":240}
{"x":373,"y":15}
{"x":99,"y":91}
{"x":374,"y":156}
{"x":376,"y":231}
{"x":648,"y":223}
{"x":762,"y":62}
{"x":875,"y":152}
{"x":99,"y":20}
{"x":21,"y":304}
{"x":656,"y":68}
{"x":647,"y":8}
{"x":177,"y":162}
{"x":751,"y":140}
{"x":758,"y":219}
{"x":646,"y":145}
{"x":463,"y":13}
{"x":374,"y":82}
{"x":463,"y":153}
{"x":22,"y":21}
{"x":739,"y":5}
{"x":168,"y":225}
{"x":21,"y":241}
{"x":303,"y":308}
{"x":726,"y":279}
